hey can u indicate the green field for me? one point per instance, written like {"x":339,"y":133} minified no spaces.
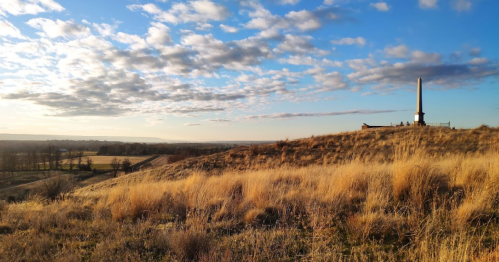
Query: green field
{"x":100,"y":162}
{"x":106,"y":160}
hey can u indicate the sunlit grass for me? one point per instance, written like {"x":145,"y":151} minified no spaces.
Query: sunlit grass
{"x":416,"y":205}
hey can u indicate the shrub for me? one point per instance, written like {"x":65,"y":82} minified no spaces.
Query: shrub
{"x":55,"y":185}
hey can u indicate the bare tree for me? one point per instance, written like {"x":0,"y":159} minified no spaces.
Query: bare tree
{"x":49,"y":154}
{"x":126,"y":165}
{"x":79,"y":157}
{"x":89,"y":164}
{"x":115,"y":166}
{"x":5,"y":162}
{"x":9,"y":162}
{"x":71,"y":157}
{"x":34,"y":159}
{"x":57,"y":158}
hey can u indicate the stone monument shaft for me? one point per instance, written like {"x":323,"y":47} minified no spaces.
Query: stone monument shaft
{"x":420,"y":95}
{"x":419,"y":115}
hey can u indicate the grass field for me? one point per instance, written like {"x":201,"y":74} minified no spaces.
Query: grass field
{"x":89,"y":153}
{"x":101,"y":160}
{"x":409,"y":194}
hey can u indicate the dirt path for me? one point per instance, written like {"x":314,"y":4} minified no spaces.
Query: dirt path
{"x":157,"y":162}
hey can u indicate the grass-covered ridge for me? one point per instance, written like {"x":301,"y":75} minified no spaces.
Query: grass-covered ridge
{"x":380,"y":195}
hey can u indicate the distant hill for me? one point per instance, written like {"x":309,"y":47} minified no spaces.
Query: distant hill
{"x":24,"y":137}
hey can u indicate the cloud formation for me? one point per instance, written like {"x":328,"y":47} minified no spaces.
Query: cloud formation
{"x":350,"y":41}
{"x":461,"y":5}
{"x":31,"y":7}
{"x":181,"y":63}
{"x":8,"y":29}
{"x":229,"y":29}
{"x":381,"y":6}
{"x":425,"y":4}
{"x":397,"y":51}
{"x":58,"y":28}
{"x":299,"y":115}
{"x":200,"y":11}
{"x":402,"y":74}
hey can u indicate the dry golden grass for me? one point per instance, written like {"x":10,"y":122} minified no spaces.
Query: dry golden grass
{"x":365,"y":146}
{"x":418,"y":204}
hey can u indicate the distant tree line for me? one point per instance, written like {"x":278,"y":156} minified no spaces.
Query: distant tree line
{"x":186,"y":149}
{"x":48,"y":158}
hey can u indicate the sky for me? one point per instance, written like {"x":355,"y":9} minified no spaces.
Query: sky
{"x":207,"y":70}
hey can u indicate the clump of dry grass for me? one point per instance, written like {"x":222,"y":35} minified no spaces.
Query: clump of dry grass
{"x":189,"y":245}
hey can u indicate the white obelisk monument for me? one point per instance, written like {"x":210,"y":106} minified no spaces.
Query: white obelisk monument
{"x":419,"y":115}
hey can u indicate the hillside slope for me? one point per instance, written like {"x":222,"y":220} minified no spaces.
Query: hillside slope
{"x":412,"y":194}
{"x":367,"y":146}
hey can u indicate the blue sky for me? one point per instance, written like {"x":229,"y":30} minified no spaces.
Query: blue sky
{"x":244,"y":70}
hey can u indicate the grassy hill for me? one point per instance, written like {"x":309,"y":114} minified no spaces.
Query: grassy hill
{"x":401,"y":194}
{"x":366,"y":146}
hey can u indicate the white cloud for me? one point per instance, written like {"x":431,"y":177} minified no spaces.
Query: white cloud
{"x":229,"y":29}
{"x":195,"y":11}
{"x":327,"y":82}
{"x":381,"y":6}
{"x":135,"y":41}
{"x":59,"y":28}
{"x":105,"y":29}
{"x":478,"y":61}
{"x":158,"y":34}
{"x":397,"y":51}
{"x":350,"y":41}
{"x":298,"y":45}
{"x":268,"y":22}
{"x":304,"y":20}
{"x":289,"y":2}
{"x":209,"y":9}
{"x":8,"y":29}
{"x":203,"y":26}
{"x":308,"y":60}
{"x":245,"y":78}
{"x":32,"y":7}
{"x":361,"y":63}
{"x":422,"y":57}
{"x":327,"y":62}
{"x":428,"y":4}
{"x":461,"y":5}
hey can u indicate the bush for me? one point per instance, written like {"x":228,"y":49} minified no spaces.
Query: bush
{"x":56,"y":185}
